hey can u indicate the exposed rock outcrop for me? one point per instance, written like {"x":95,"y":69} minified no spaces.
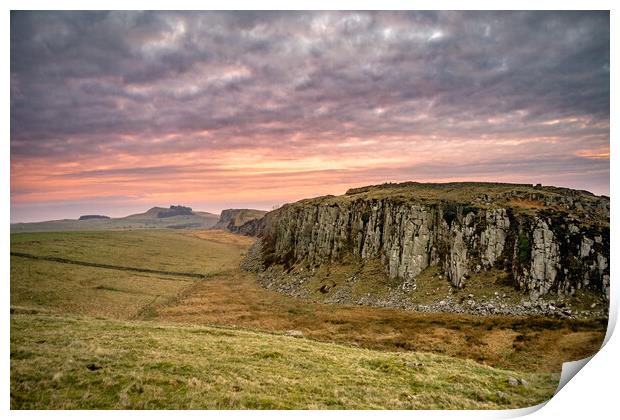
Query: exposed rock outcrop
{"x":175,"y":211}
{"x":93,"y":217}
{"x":493,"y":238}
{"x":232,"y":219}
{"x":550,"y":240}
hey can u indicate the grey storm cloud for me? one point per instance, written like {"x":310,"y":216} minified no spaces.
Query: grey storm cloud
{"x":80,"y":81}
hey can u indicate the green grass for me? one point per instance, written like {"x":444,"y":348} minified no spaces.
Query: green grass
{"x":153,"y":336}
{"x":145,"y":365}
{"x":524,"y":248}
{"x":153,"y":249}
{"x":72,"y":289}
{"x":48,"y":286}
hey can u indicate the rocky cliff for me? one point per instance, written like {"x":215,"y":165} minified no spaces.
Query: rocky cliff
{"x":548,"y":240}
{"x":232,"y":219}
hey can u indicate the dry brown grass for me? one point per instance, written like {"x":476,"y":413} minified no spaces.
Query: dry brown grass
{"x":527,"y":204}
{"x":533,"y":344}
{"x":85,"y":363}
{"x":222,"y":237}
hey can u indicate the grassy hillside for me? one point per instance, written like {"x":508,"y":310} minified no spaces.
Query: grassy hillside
{"x":59,"y":362}
{"x":155,"y":339}
{"x":116,"y":292}
{"x":45,"y":286}
{"x":234,"y":298}
{"x":164,"y":250}
{"x":522,"y":343}
{"x":147,"y":220}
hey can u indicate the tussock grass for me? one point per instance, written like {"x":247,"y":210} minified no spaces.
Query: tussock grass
{"x":236,"y":299}
{"x":67,"y":288}
{"x":62,"y":362}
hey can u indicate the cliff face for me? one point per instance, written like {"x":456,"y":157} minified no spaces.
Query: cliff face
{"x":550,"y":240}
{"x":232,"y":219}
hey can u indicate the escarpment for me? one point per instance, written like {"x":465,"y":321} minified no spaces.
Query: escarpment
{"x":232,"y":219}
{"x":547,"y":240}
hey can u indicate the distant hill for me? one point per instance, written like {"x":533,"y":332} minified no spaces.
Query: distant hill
{"x":231,"y":219}
{"x":174,"y":217}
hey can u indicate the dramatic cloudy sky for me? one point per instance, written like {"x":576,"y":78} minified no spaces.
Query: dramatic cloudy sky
{"x":116,"y":112}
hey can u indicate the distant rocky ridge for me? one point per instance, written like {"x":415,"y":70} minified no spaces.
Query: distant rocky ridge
{"x":233,"y":219}
{"x":175,"y":211}
{"x":93,"y":217}
{"x":174,"y":217}
{"x":551,"y":241}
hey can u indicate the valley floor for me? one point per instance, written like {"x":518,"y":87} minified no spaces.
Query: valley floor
{"x":537,"y":344}
{"x":104,"y":337}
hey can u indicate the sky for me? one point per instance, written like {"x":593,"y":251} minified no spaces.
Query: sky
{"x":116,"y":112}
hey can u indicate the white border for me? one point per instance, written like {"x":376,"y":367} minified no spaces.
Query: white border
{"x":592,"y":394}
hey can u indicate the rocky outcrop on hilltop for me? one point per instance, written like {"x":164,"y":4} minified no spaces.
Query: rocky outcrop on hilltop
{"x":175,"y":211}
{"x":93,"y":217}
{"x":233,"y":219}
{"x":549,"y":240}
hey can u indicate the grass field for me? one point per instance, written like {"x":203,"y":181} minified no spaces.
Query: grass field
{"x":52,"y":287}
{"x":61,"y":362}
{"x":174,"y":341}
{"x":166,"y":250}
{"x":119,"y":293}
